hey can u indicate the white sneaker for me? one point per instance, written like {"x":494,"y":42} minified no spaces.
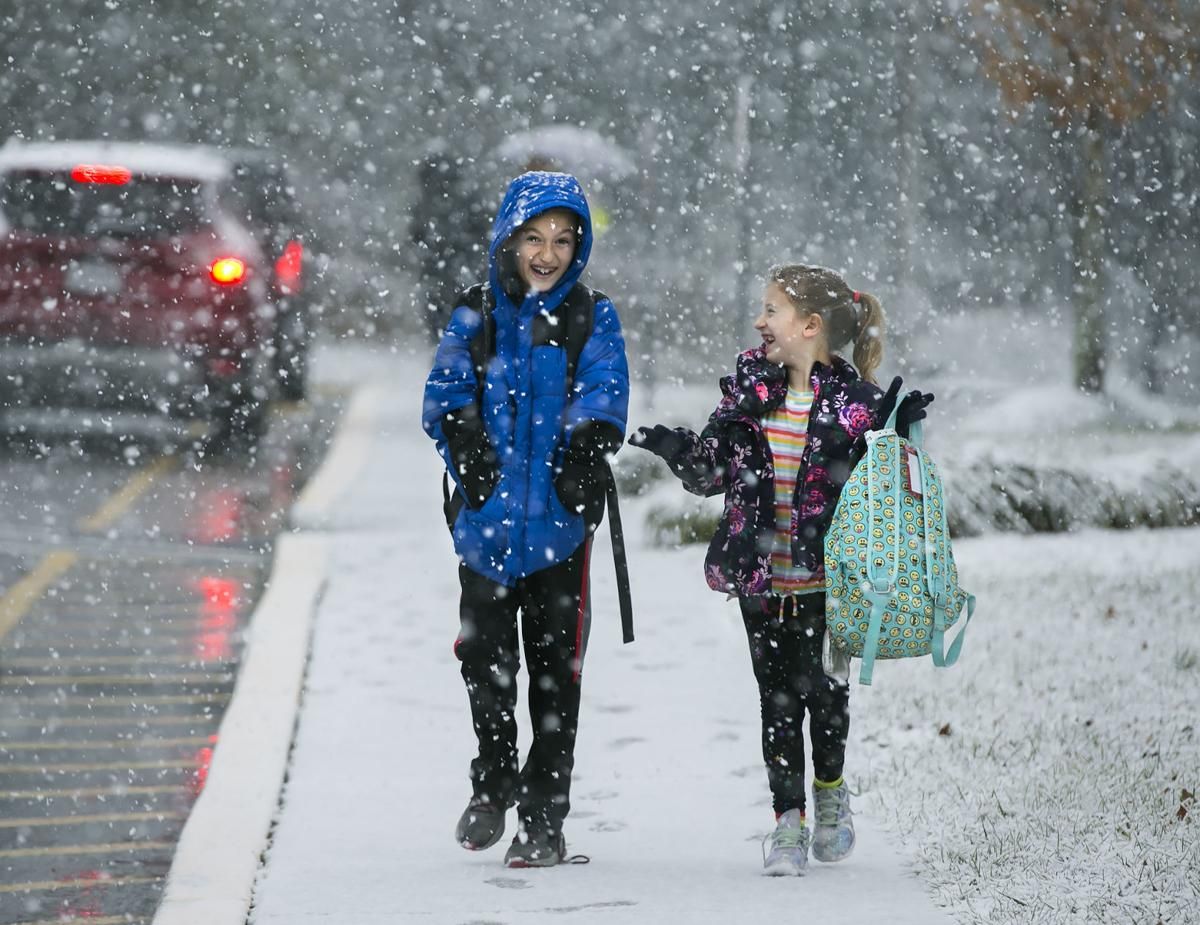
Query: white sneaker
{"x":834,"y":836}
{"x":788,"y":852}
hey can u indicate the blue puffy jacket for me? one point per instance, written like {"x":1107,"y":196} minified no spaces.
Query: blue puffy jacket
{"x":522,"y":527}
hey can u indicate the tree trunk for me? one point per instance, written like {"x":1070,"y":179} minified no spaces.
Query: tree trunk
{"x":743,"y":145}
{"x":908,"y":56}
{"x":1091,"y":335}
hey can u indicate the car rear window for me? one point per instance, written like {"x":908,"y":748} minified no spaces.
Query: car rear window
{"x":55,"y":205}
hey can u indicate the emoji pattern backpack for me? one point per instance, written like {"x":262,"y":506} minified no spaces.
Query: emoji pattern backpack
{"x":891,"y":586}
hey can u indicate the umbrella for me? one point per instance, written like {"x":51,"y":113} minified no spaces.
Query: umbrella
{"x":570,"y":148}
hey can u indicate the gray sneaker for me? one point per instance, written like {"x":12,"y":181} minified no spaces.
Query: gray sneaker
{"x":536,"y":847}
{"x":833,"y":839}
{"x":480,"y":826}
{"x":787,"y":855}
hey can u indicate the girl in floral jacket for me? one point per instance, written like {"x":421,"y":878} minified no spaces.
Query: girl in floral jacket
{"x":784,"y":438}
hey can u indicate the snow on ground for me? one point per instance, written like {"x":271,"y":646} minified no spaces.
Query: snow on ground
{"x":670,"y":798}
{"x":1040,"y":780}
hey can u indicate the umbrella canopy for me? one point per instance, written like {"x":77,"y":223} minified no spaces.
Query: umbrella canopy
{"x":570,"y":148}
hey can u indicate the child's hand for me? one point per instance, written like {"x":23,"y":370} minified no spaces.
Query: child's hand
{"x":659,"y":440}
{"x":472,"y":454}
{"x":887,"y":403}
{"x":912,"y":409}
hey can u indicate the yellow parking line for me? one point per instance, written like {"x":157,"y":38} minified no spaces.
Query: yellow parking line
{"x":159,"y":638}
{"x":123,"y":500}
{"x":132,"y":680}
{"x":112,"y":790}
{"x":105,"y":661}
{"x":83,"y":767}
{"x":75,"y":883}
{"x":96,"y":819}
{"x":145,"y":743}
{"x":199,"y":719}
{"x":20,"y":596}
{"x":125,"y":702}
{"x":56,"y":850}
{"x":87,"y":920}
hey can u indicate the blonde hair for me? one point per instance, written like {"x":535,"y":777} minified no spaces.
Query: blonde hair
{"x":848,"y":315}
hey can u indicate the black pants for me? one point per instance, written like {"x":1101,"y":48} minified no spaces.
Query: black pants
{"x":785,"y":648}
{"x":554,"y":623}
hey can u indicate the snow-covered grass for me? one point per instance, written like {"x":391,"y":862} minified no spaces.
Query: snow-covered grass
{"x":1049,"y":776}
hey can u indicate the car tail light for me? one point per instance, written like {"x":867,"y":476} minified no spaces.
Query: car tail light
{"x":223,"y":368}
{"x":287,"y":268}
{"x":101,"y":173}
{"x":227,"y":271}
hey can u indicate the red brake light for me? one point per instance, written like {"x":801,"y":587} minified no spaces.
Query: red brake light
{"x":227,"y":271}
{"x":287,"y":268}
{"x":101,"y":173}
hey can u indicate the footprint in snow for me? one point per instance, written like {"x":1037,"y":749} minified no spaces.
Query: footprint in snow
{"x":509,"y":883}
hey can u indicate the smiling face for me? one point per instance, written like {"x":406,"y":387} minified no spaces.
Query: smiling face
{"x":791,"y":337}
{"x":544,"y":248}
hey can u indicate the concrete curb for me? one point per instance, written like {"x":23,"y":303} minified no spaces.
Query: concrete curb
{"x":355,"y":433}
{"x":216,"y":863}
{"x":213,"y":872}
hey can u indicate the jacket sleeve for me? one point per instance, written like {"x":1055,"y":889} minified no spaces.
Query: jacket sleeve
{"x":703,"y":463}
{"x":451,"y":383}
{"x":601,"y":386}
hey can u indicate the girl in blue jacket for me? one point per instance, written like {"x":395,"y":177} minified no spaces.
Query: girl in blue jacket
{"x":525,"y":438}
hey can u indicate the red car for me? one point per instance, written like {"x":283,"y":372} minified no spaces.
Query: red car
{"x":130,"y":293}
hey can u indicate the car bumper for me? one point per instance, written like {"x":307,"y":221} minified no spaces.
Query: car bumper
{"x":67,"y":385}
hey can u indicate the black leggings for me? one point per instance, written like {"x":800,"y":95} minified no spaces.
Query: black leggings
{"x":554,"y":620}
{"x":785,"y":649}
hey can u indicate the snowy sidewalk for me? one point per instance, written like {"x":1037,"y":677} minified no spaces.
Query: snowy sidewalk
{"x":669,"y":800}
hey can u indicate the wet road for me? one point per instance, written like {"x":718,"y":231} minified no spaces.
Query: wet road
{"x":127,"y":580}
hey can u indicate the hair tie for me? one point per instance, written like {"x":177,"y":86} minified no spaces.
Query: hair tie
{"x":857,"y":296}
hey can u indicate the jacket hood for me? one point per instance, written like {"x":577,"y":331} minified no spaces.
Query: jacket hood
{"x":755,"y":388}
{"x":528,"y":196}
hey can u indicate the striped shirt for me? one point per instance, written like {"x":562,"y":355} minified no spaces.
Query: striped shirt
{"x":787,"y":434}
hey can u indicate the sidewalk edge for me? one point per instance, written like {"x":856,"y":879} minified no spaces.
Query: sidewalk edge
{"x":355,"y":433}
{"x":216,"y":861}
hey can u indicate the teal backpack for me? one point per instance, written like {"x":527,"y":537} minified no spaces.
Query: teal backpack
{"x":891,"y":587}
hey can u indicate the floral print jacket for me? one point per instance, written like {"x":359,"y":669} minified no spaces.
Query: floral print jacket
{"x":732,"y":456}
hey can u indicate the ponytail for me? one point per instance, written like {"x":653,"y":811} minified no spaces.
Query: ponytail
{"x":850,"y":316}
{"x":868,"y":339}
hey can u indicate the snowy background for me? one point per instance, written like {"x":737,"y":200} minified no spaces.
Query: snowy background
{"x":868,"y":135}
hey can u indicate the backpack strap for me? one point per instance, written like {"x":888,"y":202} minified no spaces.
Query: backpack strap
{"x":580,"y":306}
{"x":578,"y":312}
{"x":480,"y":298}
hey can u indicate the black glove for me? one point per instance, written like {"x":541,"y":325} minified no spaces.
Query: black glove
{"x":472,"y":454}
{"x":660,"y":440}
{"x":887,"y":403}
{"x":912,"y":409}
{"x":582,"y":479}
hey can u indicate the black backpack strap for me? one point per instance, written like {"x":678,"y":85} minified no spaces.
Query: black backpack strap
{"x":617,"y":535}
{"x":483,"y":345}
{"x":580,"y":307}
{"x":580,"y":316}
